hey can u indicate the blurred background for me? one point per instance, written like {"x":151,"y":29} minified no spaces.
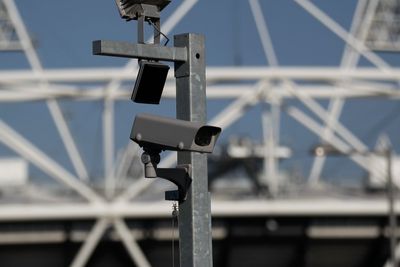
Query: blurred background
{"x":305,"y":172}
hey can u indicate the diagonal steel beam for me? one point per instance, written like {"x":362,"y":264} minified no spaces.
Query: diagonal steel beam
{"x":16,"y":142}
{"x":334,"y":110}
{"x":349,"y":60}
{"x":263,"y":33}
{"x":290,"y":86}
{"x":90,"y":243}
{"x":343,"y":34}
{"x":336,"y":125}
{"x":351,"y":42}
{"x":130,"y":243}
{"x":317,"y":129}
{"x":54,"y":108}
{"x":269,"y":117}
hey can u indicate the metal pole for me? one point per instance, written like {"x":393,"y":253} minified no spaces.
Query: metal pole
{"x":195,"y":213}
{"x":392,"y":215}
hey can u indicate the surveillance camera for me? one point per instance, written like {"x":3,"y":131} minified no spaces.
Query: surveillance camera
{"x":131,"y":9}
{"x":160,"y":133}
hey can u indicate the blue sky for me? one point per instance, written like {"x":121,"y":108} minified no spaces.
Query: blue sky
{"x":64,"y":31}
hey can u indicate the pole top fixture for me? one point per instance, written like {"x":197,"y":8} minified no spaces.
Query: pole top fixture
{"x":134,"y":9}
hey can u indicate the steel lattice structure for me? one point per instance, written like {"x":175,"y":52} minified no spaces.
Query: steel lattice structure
{"x":245,"y":86}
{"x":383,"y":33}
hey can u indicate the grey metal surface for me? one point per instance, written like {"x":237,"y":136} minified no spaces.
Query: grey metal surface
{"x":195,"y":212}
{"x":392,"y":214}
{"x":140,"y":30}
{"x":140,"y":51}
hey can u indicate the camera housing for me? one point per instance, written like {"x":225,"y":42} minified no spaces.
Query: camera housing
{"x":133,"y":9}
{"x":160,"y":133}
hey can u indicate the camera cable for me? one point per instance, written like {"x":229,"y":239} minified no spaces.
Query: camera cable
{"x":175,"y":213}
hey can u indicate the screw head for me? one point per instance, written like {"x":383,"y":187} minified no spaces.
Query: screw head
{"x":146,"y":158}
{"x":181,"y":145}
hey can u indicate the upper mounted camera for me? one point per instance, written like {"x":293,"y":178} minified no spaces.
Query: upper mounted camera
{"x":133,"y":9}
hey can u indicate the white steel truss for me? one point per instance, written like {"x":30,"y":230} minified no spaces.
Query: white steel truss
{"x":383,"y":31}
{"x":267,"y":86}
{"x":8,"y":38}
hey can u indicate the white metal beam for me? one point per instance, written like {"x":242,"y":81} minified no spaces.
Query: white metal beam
{"x":130,"y":244}
{"x":237,"y":108}
{"x":52,"y":104}
{"x":214,"y":74}
{"x":12,"y":139}
{"x":325,"y":206}
{"x":334,"y":110}
{"x":290,"y":86}
{"x":263,"y":32}
{"x":349,"y":60}
{"x":213,"y":92}
{"x":333,"y":140}
{"x":269,"y":117}
{"x":68,"y":141}
{"x":108,"y":145}
{"x":361,"y":49}
{"x":349,"y":53}
{"x":361,"y":23}
{"x":23,"y":35}
{"x":342,"y":33}
{"x":335,"y":124}
{"x":90,"y":243}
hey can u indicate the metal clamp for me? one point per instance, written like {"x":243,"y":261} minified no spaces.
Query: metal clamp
{"x":180,"y":176}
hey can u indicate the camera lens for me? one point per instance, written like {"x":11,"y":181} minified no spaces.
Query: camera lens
{"x":203,"y":137}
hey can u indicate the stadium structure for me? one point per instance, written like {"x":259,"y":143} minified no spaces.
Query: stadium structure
{"x":274,"y":204}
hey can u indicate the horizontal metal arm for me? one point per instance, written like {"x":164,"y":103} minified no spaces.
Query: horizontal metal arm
{"x":139,"y":51}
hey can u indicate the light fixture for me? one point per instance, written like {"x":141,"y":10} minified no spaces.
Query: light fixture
{"x":150,"y":82}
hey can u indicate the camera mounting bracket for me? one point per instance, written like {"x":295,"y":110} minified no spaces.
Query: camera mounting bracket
{"x":143,"y":11}
{"x":180,"y":176}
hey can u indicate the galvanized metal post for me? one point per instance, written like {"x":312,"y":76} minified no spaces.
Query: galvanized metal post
{"x":195,"y":212}
{"x":392,"y":213}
